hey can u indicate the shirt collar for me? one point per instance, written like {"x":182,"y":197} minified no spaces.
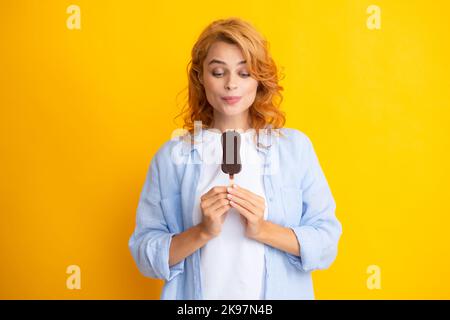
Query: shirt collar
{"x":264,"y":143}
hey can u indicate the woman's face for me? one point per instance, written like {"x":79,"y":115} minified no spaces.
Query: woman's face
{"x":228,"y":86}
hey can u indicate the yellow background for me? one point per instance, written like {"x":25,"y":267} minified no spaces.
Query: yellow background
{"x":82,"y":112}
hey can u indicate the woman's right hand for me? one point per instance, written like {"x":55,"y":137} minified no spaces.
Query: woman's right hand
{"x":214,"y":206}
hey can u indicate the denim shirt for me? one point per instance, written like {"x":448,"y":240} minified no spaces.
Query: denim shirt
{"x":298,"y":196}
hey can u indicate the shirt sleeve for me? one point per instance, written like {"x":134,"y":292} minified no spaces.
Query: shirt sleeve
{"x":319,"y":230}
{"x":150,"y":242}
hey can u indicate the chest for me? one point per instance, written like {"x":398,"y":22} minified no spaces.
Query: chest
{"x":283,"y":197}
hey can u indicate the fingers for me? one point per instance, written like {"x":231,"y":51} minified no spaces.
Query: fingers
{"x":213,"y":191}
{"x":244,"y":193}
{"x":247,"y":199}
{"x":223,"y":210}
{"x":243,"y":203}
{"x":212,"y":199}
{"x":218,"y":205}
{"x":247,"y":214}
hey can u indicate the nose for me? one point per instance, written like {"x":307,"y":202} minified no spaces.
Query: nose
{"x":230,"y":84}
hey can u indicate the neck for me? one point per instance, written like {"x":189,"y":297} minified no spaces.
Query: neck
{"x":224,"y":123}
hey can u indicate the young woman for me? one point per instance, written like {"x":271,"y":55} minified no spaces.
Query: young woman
{"x":260,"y":237}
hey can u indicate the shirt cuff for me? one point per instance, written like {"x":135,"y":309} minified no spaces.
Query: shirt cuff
{"x":162,"y":252}
{"x":309,"y":251}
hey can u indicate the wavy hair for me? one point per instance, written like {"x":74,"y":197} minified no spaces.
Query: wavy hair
{"x":265,"y":111}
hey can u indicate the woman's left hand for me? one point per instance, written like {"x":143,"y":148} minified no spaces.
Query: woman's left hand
{"x":249,"y":205}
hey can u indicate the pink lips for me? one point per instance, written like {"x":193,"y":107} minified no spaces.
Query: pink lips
{"x":231,"y":99}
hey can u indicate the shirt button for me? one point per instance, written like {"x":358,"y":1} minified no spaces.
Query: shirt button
{"x":271,"y":199}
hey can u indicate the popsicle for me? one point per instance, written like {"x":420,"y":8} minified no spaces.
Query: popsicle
{"x":231,"y":158}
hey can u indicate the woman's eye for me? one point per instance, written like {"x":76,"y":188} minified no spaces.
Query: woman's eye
{"x":244,"y":75}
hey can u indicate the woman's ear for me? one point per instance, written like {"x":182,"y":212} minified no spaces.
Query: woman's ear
{"x":200,"y":77}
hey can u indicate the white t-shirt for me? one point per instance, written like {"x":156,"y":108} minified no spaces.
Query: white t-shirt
{"x":232,"y":265}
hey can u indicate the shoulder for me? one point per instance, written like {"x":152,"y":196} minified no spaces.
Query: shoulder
{"x":174,"y":153}
{"x":295,"y":147}
{"x":294,"y":137}
{"x":167,"y":153}
{"x":164,"y":166}
{"x":165,"y":150}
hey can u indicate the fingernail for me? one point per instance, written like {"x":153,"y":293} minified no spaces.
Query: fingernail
{"x":228,"y":189}
{"x":234,"y":186}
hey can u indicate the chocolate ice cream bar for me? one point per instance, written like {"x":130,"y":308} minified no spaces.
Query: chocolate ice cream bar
{"x":231,"y":158}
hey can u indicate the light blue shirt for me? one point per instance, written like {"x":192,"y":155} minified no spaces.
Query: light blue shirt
{"x":298,"y":198}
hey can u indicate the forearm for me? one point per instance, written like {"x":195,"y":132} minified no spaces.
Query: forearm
{"x":279,"y":237}
{"x":186,"y":243}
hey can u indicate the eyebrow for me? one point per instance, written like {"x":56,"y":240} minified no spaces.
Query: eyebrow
{"x":221,"y":62}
